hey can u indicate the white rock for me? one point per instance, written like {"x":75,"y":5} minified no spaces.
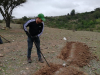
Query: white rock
{"x":64,"y":38}
{"x":64,"y":64}
{"x":27,"y":68}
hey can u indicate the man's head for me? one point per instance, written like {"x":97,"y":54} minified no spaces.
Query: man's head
{"x":40,"y":18}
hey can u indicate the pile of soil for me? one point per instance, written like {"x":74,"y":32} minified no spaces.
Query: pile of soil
{"x":55,"y":69}
{"x":46,"y":70}
{"x":81,"y":55}
{"x":69,"y":71}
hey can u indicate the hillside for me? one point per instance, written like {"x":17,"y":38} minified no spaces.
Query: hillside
{"x":88,"y":21}
{"x":14,"y":61}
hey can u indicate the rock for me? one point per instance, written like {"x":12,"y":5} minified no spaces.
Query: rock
{"x":1,"y":55}
{"x":3,"y":28}
{"x":95,"y":47}
{"x":89,"y":65}
{"x":64,"y":38}
{"x":41,"y":48}
{"x":1,"y":65}
{"x":53,"y":51}
{"x":27,"y":68}
{"x":53,"y":45}
{"x":13,"y":59}
{"x":46,"y":48}
{"x":90,"y":47}
{"x":64,"y":64}
{"x":93,"y":69}
{"x":6,"y":60}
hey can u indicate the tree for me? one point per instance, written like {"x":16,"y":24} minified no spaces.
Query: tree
{"x":6,"y":8}
{"x":96,"y":14}
{"x":24,"y":18}
{"x":68,"y":14}
{"x":72,"y":12}
{"x":97,"y":9}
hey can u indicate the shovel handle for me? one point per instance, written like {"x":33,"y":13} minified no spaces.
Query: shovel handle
{"x":5,"y":39}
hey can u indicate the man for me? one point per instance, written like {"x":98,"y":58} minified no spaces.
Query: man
{"x":1,"y":41}
{"x":36,"y":27}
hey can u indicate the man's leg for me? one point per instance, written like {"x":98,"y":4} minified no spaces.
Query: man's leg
{"x":37,"y":44}
{"x":30,"y":45}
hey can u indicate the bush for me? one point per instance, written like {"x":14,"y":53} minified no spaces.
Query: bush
{"x":20,"y":22}
{"x":1,"y":21}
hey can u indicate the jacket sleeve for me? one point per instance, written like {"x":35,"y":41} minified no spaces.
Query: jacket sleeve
{"x":42,"y":29}
{"x":25,"y":27}
{"x":26,"y":24}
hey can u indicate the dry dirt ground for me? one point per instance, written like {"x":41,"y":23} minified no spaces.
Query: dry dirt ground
{"x":78,"y":55}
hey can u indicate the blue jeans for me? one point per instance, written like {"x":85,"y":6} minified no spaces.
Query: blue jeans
{"x":30,"y":41}
{"x":1,"y":41}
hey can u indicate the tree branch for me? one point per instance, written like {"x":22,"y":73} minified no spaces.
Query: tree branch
{"x":2,"y":13}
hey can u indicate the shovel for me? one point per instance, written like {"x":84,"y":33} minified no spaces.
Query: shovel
{"x":5,"y":39}
{"x":43,"y":56}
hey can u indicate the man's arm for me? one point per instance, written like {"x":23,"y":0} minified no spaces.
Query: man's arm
{"x":42,"y":28}
{"x":26,"y":25}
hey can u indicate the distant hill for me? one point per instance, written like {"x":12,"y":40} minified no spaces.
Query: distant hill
{"x":78,"y":21}
{"x":72,"y":21}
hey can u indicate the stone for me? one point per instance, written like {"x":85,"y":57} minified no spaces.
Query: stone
{"x":1,"y":55}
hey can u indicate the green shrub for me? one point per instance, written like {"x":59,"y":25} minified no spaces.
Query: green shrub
{"x":1,"y":21}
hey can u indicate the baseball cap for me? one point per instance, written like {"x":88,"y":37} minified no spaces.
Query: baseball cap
{"x":41,"y":16}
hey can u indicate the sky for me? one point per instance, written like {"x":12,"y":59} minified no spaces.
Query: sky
{"x":54,"y":7}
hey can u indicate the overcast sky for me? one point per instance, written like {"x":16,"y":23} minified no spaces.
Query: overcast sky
{"x":54,"y":7}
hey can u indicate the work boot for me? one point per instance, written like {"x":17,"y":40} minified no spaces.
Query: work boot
{"x":41,"y":60}
{"x":29,"y":60}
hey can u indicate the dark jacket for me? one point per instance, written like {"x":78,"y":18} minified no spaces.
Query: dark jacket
{"x":34,"y":29}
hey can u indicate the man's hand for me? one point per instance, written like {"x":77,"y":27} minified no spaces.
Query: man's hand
{"x":33,"y":37}
{"x":28,"y":34}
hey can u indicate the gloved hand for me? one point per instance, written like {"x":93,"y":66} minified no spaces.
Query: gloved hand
{"x":34,"y":37}
{"x":27,"y":33}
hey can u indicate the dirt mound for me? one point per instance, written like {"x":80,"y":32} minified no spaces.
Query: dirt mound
{"x":48,"y":70}
{"x":69,"y":71}
{"x":78,"y":53}
{"x":55,"y":69}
